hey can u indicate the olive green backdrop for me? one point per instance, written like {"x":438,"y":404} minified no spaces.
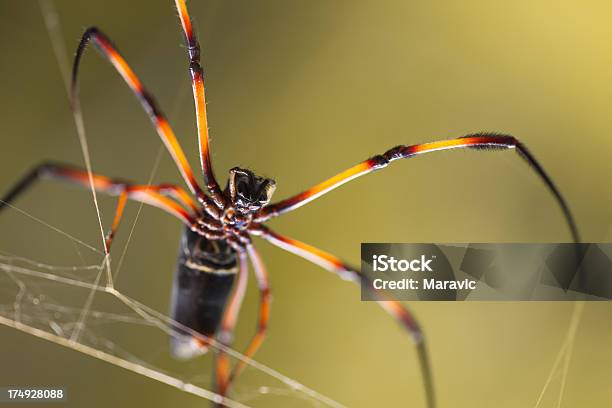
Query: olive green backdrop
{"x":299,"y":91}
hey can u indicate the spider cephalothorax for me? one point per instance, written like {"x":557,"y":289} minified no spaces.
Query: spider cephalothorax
{"x":247,"y":192}
{"x":244,"y":196}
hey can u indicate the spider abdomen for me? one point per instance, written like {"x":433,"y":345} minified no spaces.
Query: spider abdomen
{"x":203,"y":281}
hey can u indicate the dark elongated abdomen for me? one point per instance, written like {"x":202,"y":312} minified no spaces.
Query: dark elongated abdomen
{"x":203,"y":281}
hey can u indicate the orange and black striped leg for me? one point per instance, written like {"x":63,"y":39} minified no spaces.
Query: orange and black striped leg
{"x":116,"y":220}
{"x":106,"y":48}
{"x":152,"y":195}
{"x":158,"y":196}
{"x":199,"y":96}
{"x":230,"y":318}
{"x":484,"y":141}
{"x":264,"y":311}
{"x":335,"y":265}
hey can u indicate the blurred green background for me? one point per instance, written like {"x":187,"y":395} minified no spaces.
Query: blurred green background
{"x":299,"y":91}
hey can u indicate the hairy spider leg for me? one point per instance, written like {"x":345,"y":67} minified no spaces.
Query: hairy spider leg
{"x":170,"y":198}
{"x":110,"y":52}
{"x":228,"y":324}
{"x":336,"y":265}
{"x":199,"y":96}
{"x":483,"y":141}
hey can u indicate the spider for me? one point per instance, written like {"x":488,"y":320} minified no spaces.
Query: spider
{"x":216,"y":245}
